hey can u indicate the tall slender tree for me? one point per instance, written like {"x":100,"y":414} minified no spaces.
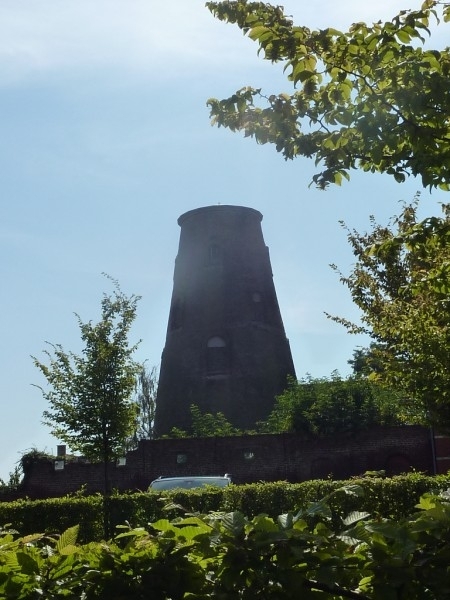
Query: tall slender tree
{"x":90,"y":396}
{"x":146,"y":387}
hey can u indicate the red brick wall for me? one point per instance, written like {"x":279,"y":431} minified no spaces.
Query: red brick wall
{"x":248,"y":459}
{"x":442,"y":452}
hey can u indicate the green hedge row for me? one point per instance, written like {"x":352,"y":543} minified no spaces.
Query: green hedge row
{"x":228,"y":556}
{"x":388,"y":497}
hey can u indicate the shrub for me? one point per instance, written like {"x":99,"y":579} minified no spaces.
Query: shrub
{"x":228,"y":556}
{"x":393,"y":497}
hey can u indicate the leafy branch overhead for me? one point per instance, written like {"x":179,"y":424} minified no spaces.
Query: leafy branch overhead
{"x":373,"y":98}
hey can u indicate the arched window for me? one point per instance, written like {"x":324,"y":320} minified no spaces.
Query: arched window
{"x":216,"y":342}
{"x":176,"y":315}
{"x":214,"y":254}
{"x":217,"y":355}
{"x":258,"y":306}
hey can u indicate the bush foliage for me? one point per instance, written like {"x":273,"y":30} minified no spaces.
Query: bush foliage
{"x":304,"y":553}
{"x":386,"y":497}
{"x":330,"y":405}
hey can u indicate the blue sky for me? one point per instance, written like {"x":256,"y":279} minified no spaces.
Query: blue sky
{"x":105,"y":140}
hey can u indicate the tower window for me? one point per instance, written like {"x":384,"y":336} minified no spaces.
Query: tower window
{"x":215,"y":254}
{"x":216,"y":342}
{"x":175,"y":317}
{"x":258,"y":306}
{"x":217,"y":355}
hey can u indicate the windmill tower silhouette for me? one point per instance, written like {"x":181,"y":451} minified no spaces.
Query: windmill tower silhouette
{"x":226,"y":349}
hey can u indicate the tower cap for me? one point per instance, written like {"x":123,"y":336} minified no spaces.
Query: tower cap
{"x":219,"y":208}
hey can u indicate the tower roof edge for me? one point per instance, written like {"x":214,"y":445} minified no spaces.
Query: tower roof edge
{"x":219,"y":208}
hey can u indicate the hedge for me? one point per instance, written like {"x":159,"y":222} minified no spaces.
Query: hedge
{"x":388,"y":497}
{"x":228,"y":556}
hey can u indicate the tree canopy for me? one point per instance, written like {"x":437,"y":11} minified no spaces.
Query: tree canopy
{"x":90,"y":396}
{"x":314,"y":406}
{"x":373,"y":98}
{"x":364,"y":362}
{"x":401,"y":283}
{"x":328,"y":406}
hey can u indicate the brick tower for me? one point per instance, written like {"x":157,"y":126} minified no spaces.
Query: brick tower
{"x":226,"y":349}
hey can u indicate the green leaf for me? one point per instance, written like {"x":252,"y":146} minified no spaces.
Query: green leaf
{"x":355,"y":517}
{"x":352,"y":490}
{"x":337,"y":178}
{"x":286,"y":521}
{"x":160,"y":525}
{"x":258,"y":31}
{"x":264,"y":523}
{"x":234,"y":523}
{"x":28,"y":564}
{"x":68,"y":539}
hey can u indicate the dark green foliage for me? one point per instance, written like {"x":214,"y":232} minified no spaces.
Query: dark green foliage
{"x":298,"y":554}
{"x":317,"y":406}
{"x":30,"y":457}
{"x":326,"y":406}
{"x":365,"y":362}
{"x":205,"y":424}
{"x":400,"y":282}
{"x":394,"y":496}
{"x":11,"y":487}
{"x":54,"y":515}
{"x":390,"y":497}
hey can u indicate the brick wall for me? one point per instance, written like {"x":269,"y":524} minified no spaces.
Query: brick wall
{"x":248,"y":459}
{"x":442,"y":452}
